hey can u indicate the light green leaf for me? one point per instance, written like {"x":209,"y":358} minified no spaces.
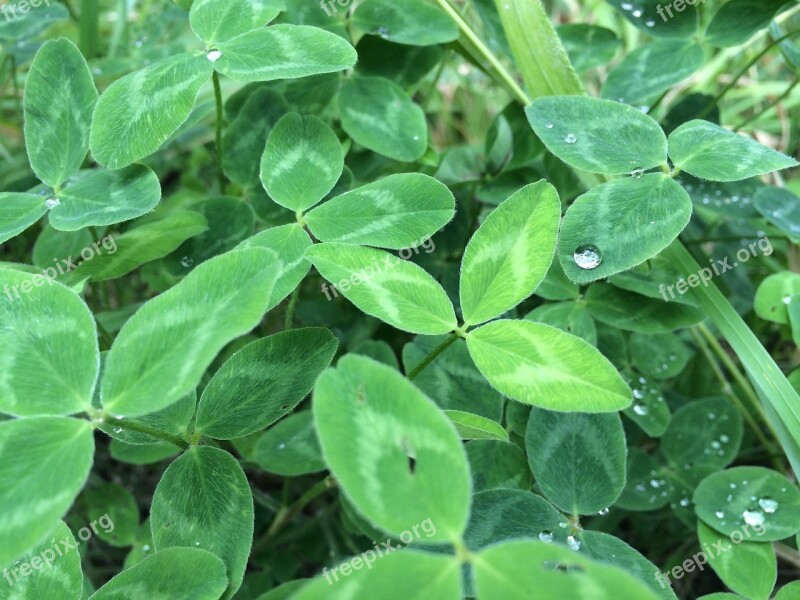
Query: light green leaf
{"x":510,"y":570}
{"x":59,"y":99}
{"x":220,"y":20}
{"x":144,"y":244}
{"x":749,"y":499}
{"x":510,"y":253}
{"x":384,"y":286}
{"x":578,"y":460}
{"x":411,"y":467}
{"x":47,"y":459}
{"x":541,"y":365}
{"x":380,"y":116}
{"x":263,"y":381}
{"x":141,"y":111}
{"x":705,"y":431}
{"x":102,"y":197}
{"x":588,"y":46}
{"x":650,"y":70}
{"x":748,"y":568}
{"x":495,"y":465}
{"x":294,"y":51}
{"x":782,"y":208}
{"x":620,"y":224}
{"x":204,"y":501}
{"x":790,"y":591}
{"x":51,"y":358}
{"x":290,"y":243}
{"x":415,"y":22}
{"x":171,"y":574}
{"x":57,"y":576}
{"x":599,"y":136}
{"x":290,"y":448}
{"x":302,"y":162}
{"x":774,"y":294}
{"x":710,"y":152}
{"x":475,"y":427}
{"x":398,"y":212}
{"x":397,"y":576}
{"x":18,"y":212}
{"x":570,"y":317}
{"x":163,"y":350}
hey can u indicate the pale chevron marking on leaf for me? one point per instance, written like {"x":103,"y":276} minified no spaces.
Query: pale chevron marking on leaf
{"x":510,"y":253}
{"x":294,"y":51}
{"x":139,"y":112}
{"x":19,"y":211}
{"x":220,"y":20}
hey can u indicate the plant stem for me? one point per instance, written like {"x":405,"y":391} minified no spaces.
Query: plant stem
{"x":787,"y":554}
{"x":433,"y":354}
{"x":218,"y":96}
{"x":88,"y":28}
{"x":147,"y":430}
{"x":767,"y":108}
{"x":290,"y":309}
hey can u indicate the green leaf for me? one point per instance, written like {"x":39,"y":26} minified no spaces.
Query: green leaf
{"x":452,"y":380}
{"x":144,"y":244}
{"x":705,"y":431}
{"x":633,"y":312}
{"x":509,"y":571}
{"x":747,"y":568}
{"x":774,"y":295}
{"x":649,"y":411}
{"x":263,"y":381}
{"x":380,"y":116}
{"x":396,"y":576}
{"x":599,"y":136}
{"x":204,"y":501}
{"x":290,"y":448}
{"x":18,"y":212}
{"x":749,"y":499}
{"x":18,"y":25}
{"x":51,"y":357}
{"x":659,"y":355}
{"x":163,"y":350}
{"x":710,"y":152}
{"x":415,"y":22}
{"x":412,"y":466}
{"x":102,"y":197}
{"x":570,"y":317}
{"x":588,"y":46}
{"x":173,"y":420}
{"x":290,"y":243}
{"x":114,"y":508}
{"x":620,"y":224}
{"x":736,"y":21}
{"x":782,"y":208}
{"x":475,"y":427}
{"x":57,"y":131}
{"x":220,"y":20}
{"x":578,"y":460}
{"x":495,"y":464}
{"x":174,"y":573}
{"x":510,"y":254}
{"x":645,"y":483}
{"x":790,"y":591}
{"x":294,"y":51}
{"x":302,"y":162}
{"x":56,"y":576}
{"x":646,"y":73}
{"x":398,"y":212}
{"x":379,"y":284}
{"x":540,"y":365}
{"x":141,"y":111}
{"x":47,"y":459}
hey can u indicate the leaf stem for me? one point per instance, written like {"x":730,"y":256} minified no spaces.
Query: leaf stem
{"x":147,"y":430}
{"x":290,"y":309}
{"x":218,"y":97}
{"x":433,"y":354}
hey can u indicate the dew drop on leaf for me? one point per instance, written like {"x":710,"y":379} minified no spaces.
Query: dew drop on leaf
{"x":214,"y":55}
{"x":546,"y":536}
{"x":573,"y":543}
{"x":637,"y":173}
{"x":754,"y":518}
{"x":769,"y":505}
{"x":587,"y":257}
{"x":571,"y":138}
{"x":51,"y":203}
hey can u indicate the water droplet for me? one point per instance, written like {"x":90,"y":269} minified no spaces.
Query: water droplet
{"x":604,"y":512}
{"x":719,"y":514}
{"x":712,"y":416}
{"x":754,"y":518}
{"x":197,"y":543}
{"x":637,"y":173}
{"x":214,"y":55}
{"x":281,"y":446}
{"x":724,"y":438}
{"x":640,"y":409}
{"x":573,"y":543}
{"x":51,"y":203}
{"x":117,"y":430}
{"x":787,"y":299}
{"x":684,"y":502}
{"x":146,"y":548}
{"x":571,"y":138}
{"x":733,"y":486}
{"x":187,"y":261}
{"x":587,"y":257}
{"x":138,"y":43}
{"x":382,"y":31}
{"x":637,"y":13}
{"x":626,"y":6}
{"x":546,"y":536}
{"x":769,"y":505}
{"x":549,"y":125}
{"x":638,"y":394}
